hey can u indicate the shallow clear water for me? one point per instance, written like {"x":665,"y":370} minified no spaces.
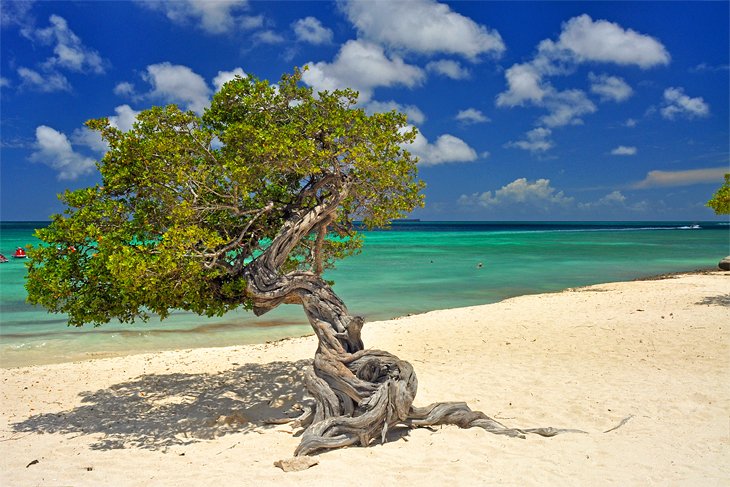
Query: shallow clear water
{"x":414,"y":267}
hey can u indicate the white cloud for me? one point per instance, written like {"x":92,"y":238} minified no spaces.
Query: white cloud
{"x":623,"y":150}
{"x":16,"y":13}
{"x":524,"y":83}
{"x":704,"y":67}
{"x":610,"y":88}
{"x":676,"y":103}
{"x":586,"y":40}
{"x":123,"y":120}
{"x":268,"y":37}
{"x":214,"y":17}
{"x":446,"y":149}
{"x":566,"y":108}
{"x":249,"y":22}
{"x":538,"y":194}
{"x":471,"y":115}
{"x":689,"y":177}
{"x":124,"y":89}
{"x":4,"y":82}
{"x":54,"y":150}
{"x":581,"y":40}
{"x":178,"y":84}
{"x":47,"y":82}
{"x":536,"y":140}
{"x":224,"y":77}
{"x":362,"y":66}
{"x":615,"y":200}
{"x":414,"y":114}
{"x":311,"y":30}
{"x":630,"y":122}
{"x":422,"y":26}
{"x":448,"y":68}
{"x":69,"y":51}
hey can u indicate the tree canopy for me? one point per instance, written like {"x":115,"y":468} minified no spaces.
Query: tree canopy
{"x":187,"y":202}
{"x":720,"y":201}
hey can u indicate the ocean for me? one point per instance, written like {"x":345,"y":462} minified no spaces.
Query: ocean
{"x":411,"y":268}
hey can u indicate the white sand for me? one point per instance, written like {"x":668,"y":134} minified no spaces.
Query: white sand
{"x":657,"y":352}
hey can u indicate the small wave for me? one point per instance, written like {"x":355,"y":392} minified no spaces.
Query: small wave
{"x":21,"y":347}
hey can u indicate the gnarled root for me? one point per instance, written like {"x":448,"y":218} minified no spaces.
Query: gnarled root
{"x":364,"y":416}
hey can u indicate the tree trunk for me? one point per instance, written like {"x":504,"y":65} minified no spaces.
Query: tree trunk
{"x":359,"y":394}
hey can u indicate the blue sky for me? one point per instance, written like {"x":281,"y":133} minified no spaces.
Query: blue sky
{"x":526,"y":110}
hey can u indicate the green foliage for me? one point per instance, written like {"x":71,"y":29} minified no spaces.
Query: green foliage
{"x":187,"y":201}
{"x":720,"y":201}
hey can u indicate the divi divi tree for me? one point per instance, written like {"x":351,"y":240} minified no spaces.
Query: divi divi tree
{"x":246,"y":206}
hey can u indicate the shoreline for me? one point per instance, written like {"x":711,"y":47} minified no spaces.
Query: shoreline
{"x":654,"y":351}
{"x":73,"y":357}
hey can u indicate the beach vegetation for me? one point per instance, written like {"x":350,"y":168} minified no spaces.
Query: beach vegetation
{"x":720,"y":201}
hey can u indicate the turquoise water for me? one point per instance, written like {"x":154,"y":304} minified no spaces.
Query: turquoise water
{"x":414,"y":267}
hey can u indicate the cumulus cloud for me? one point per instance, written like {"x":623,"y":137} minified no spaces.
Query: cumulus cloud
{"x":615,"y":200}
{"x":586,"y":40}
{"x":520,"y":192}
{"x":610,"y":88}
{"x":362,"y":66}
{"x":413,"y":113}
{"x":311,"y":30}
{"x":214,"y":17}
{"x":677,"y":104}
{"x":178,"y":84}
{"x":446,"y":149}
{"x":566,"y":108}
{"x":655,"y":179}
{"x":268,"y":37}
{"x":46,"y":82}
{"x":524,"y":83}
{"x":69,"y":52}
{"x":224,"y":77}
{"x":471,"y":115}
{"x":174,"y":83}
{"x":623,"y":150}
{"x":526,"y":87}
{"x":123,"y":119}
{"x":53,"y":149}
{"x":581,"y":40}
{"x":536,"y":140}
{"x":450,"y":69}
{"x":124,"y":89}
{"x":422,"y":26}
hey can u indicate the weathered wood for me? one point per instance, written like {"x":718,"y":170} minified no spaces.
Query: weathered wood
{"x":359,"y":395}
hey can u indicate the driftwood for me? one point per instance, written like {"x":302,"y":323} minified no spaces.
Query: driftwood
{"x":359,"y":394}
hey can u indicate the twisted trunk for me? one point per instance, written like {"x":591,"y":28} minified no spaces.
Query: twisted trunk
{"x":359,"y":394}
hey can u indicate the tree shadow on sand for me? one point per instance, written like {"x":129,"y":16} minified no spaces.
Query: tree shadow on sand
{"x":163,"y":410}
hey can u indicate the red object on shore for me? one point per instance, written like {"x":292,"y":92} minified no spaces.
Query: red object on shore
{"x":19,"y":253}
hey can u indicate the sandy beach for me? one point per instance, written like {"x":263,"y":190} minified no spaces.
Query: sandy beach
{"x":642,"y":367}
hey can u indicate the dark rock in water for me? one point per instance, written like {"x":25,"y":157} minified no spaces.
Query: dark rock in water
{"x":725,"y":264}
